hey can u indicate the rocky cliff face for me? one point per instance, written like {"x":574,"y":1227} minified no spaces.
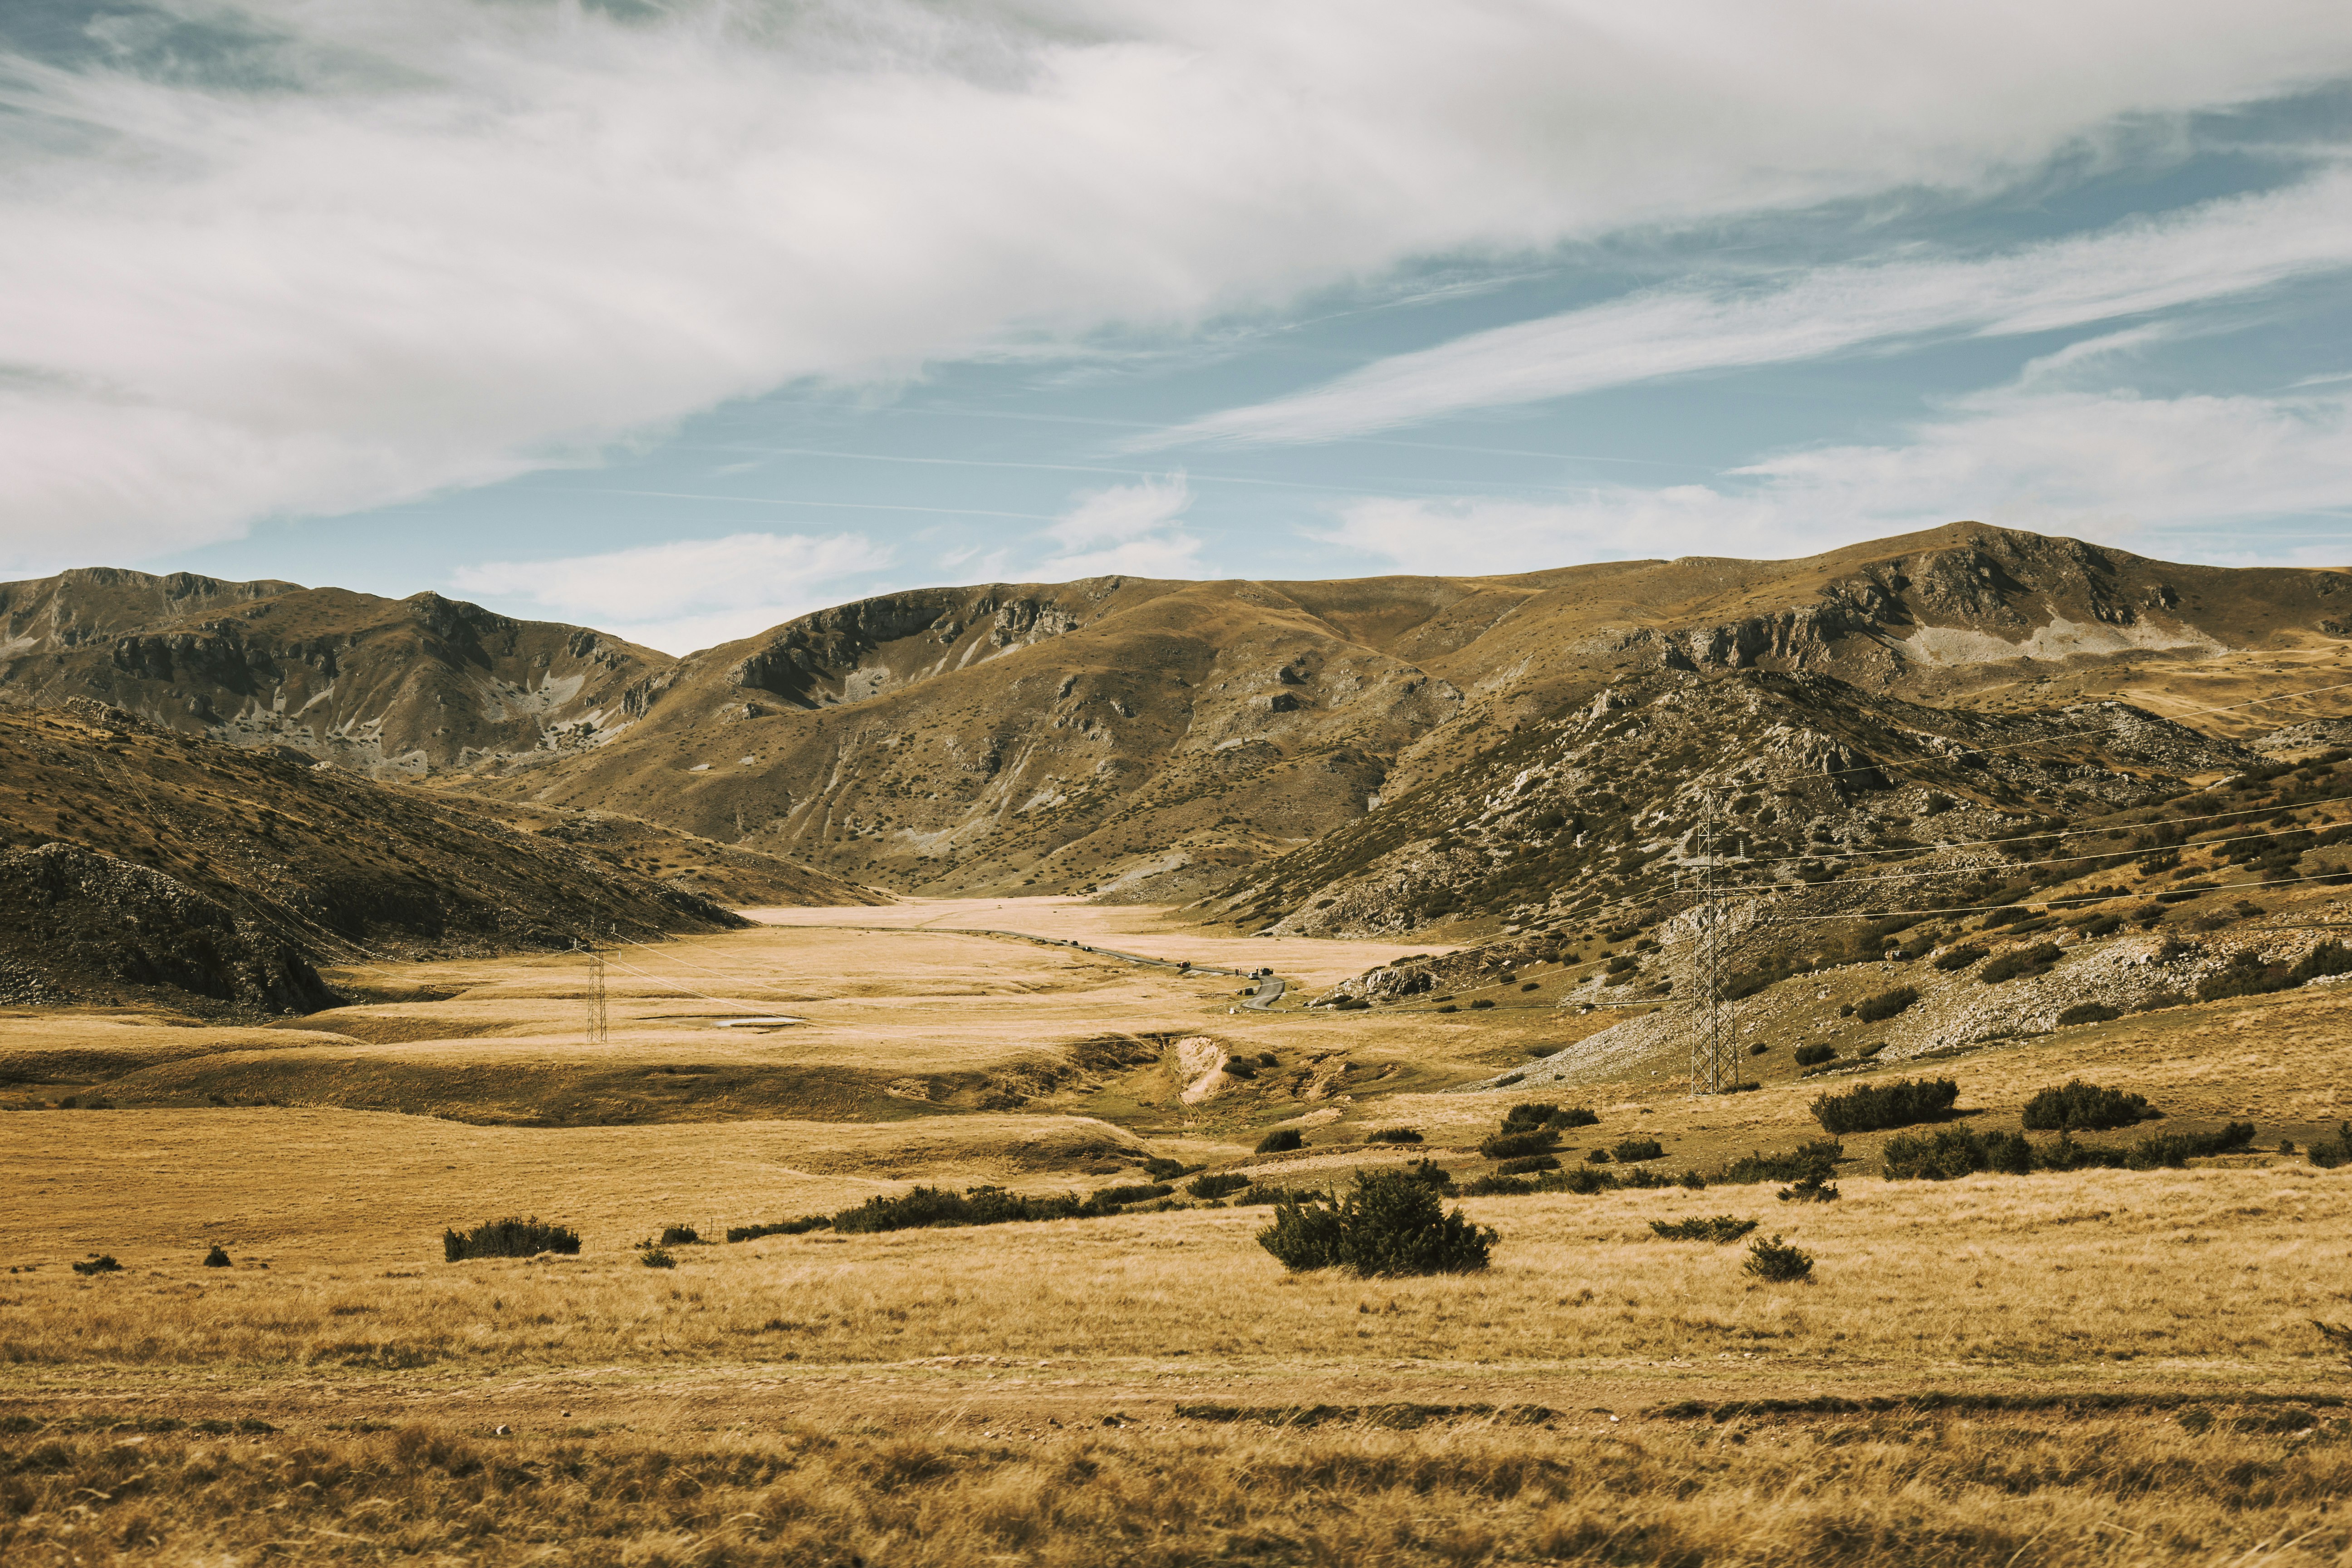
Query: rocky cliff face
{"x":392,"y":687}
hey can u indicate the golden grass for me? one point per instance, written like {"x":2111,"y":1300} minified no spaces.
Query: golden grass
{"x":2048,"y":1492}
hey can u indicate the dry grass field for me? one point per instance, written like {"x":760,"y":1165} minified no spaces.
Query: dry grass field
{"x":2096,"y":1367}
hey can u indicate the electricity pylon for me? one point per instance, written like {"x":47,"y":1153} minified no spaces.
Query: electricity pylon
{"x":596,"y":1024}
{"x":1714,"y":1059}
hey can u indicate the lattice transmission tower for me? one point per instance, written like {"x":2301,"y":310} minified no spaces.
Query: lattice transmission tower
{"x":1714,"y":1053}
{"x":596,"y":1021}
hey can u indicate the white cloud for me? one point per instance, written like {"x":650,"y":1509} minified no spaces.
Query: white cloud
{"x":2150,"y":471}
{"x":686,"y":595}
{"x":396,"y":249}
{"x":1131,"y":530}
{"x":2216,"y":250}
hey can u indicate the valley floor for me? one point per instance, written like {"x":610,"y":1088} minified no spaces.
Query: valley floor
{"x":2094,"y":1367}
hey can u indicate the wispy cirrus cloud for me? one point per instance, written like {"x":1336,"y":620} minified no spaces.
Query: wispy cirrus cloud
{"x":1129,"y":530}
{"x":283,"y":257}
{"x":2219,"y":251}
{"x":2087,"y":464}
{"x":683,"y":594}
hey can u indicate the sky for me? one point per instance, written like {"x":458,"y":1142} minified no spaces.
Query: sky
{"x":681,"y":318}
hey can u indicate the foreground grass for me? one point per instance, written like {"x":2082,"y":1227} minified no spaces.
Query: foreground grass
{"x":2215,"y":1273}
{"x":1888,"y":1491}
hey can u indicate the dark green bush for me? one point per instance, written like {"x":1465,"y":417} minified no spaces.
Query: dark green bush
{"x":1448,"y":1007}
{"x":931,"y":1206}
{"x":1392,"y":1135}
{"x":801,"y":1226}
{"x":656,"y":1258}
{"x":1598,"y":1157}
{"x":1390,"y":1224}
{"x":1108,"y":1200}
{"x":2085,"y":1107}
{"x":1959,"y":957}
{"x":2087,"y":1013}
{"x":2176,"y":1148}
{"x":1160,"y":1169}
{"x":680,"y":1235}
{"x":1481,"y":1003}
{"x":1952,"y":1152}
{"x":509,"y":1237}
{"x":1722,"y":1228}
{"x":1216,"y":1184}
{"x":1778,"y":1263}
{"x":1529,"y":1118}
{"x":1517,"y":1145}
{"x":1867,"y":1108}
{"x":1496,"y":1184}
{"x":216,"y":1258}
{"x":102,"y":1263}
{"x":1631,"y":1151}
{"x":2101,"y":925}
{"x":1757,"y":1050}
{"x":1281,"y":1140}
{"x":1815,"y":1054}
{"x":2249,"y":975}
{"x":1887,"y":1004}
{"x":1527,"y":1165}
{"x":2334,"y":1153}
{"x":2023,"y":963}
{"x":1808,"y":1161}
{"x":1571,"y":1116}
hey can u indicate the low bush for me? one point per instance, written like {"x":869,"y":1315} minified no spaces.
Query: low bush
{"x":1258,"y":1196}
{"x":1482,"y":1004}
{"x":2249,"y":975}
{"x":1778,"y":1263}
{"x":2088,"y":1013}
{"x":2019,"y":964}
{"x":1571,"y":1116}
{"x":2085,"y":1107}
{"x":2335,"y":1152}
{"x":1390,"y":1224}
{"x":656,"y":1258}
{"x":1448,"y":1007}
{"x":1281,"y":1140}
{"x":801,"y":1226}
{"x":1160,"y":1169}
{"x":1108,"y":1200}
{"x":1867,"y":1108}
{"x":1392,"y":1135}
{"x":1598,"y":1157}
{"x":1216,"y":1184}
{"x":1517,"y":1145}
{"x":509,"y":1237}
{"x":1959,"y":957}
{"x":2166,"y":1149}
{"x":1812,"y":1162}
{"x":1813,"y":1055}
{"x":102,"y":1263}
{"x":1757,"y":1050}
{"x":928,"y":1206}
{"x":1631,"y":1151}
{"x":1952,"y":1152}
{"x":1886,"y":1005}
{"x":1720,"y":1229}
{"x":1529,"y":1118}
{"x":216,"y":1258}
{"x":1531,"y":1163}
{"x":2101,"y":925}
{"x":1812,"y":1189}
{"x":681,"y":1235}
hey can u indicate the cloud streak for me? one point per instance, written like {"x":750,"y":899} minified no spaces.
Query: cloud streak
{"x":2220,"y":250}
{"x":376,"y":252}
{"x":2070,"y":462}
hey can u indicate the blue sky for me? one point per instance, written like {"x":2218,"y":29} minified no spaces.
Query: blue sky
{"x":678,"y":319}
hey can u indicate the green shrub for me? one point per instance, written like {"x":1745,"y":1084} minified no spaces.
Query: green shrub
{"x":928,"y":1206}
{"x":2248,"y":975}
{"x":1109,"y":1200}
{"x":2087,"y":1013}
{"x":1757,"y":1050}
{"x":2176,"y":1148}
{"x":1528,"y":1165}
{"x":1392,"y":1135}
{"x":1496,"y":1184}
{"x":1722,"y":1228}
{"x":509,"y":1237}
{"x":1959,"y":957}
{"x":1631,"y":1151}
{"x":1216,"y":1184}
{"x":1390,"y":1224}
{"x":801,"y":1226}
{"x":2101,"y":925}
{"x":1778,"y":1263}
{"x":1952,"y":1152}
{"x":2023,"y":963}
{"x":1447,"y":1007}
{"x":1815,"y":1054}
{"x":1480,"y":1005}
{"x":102,"y":1263}
{"x":1529,"y":1118}
{"x":1160,"y":1169}
{"x":1867,"y":1108}
{"x":1261,"y":1195}
{"x":1598,"y":1157}
{"x":1517,"y":1145}
{"x":2085,"y":1107}
{"x":1281,"y":1140}
{"x":2334,"y":1153}
{"x":681,"y":1235}
{"x":656,"y":1258}
{"x":1571,"y":1116}
{"x":216,"y":1258}
{"x":1807,"y":1162}
{"x":1887,"y":1004}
